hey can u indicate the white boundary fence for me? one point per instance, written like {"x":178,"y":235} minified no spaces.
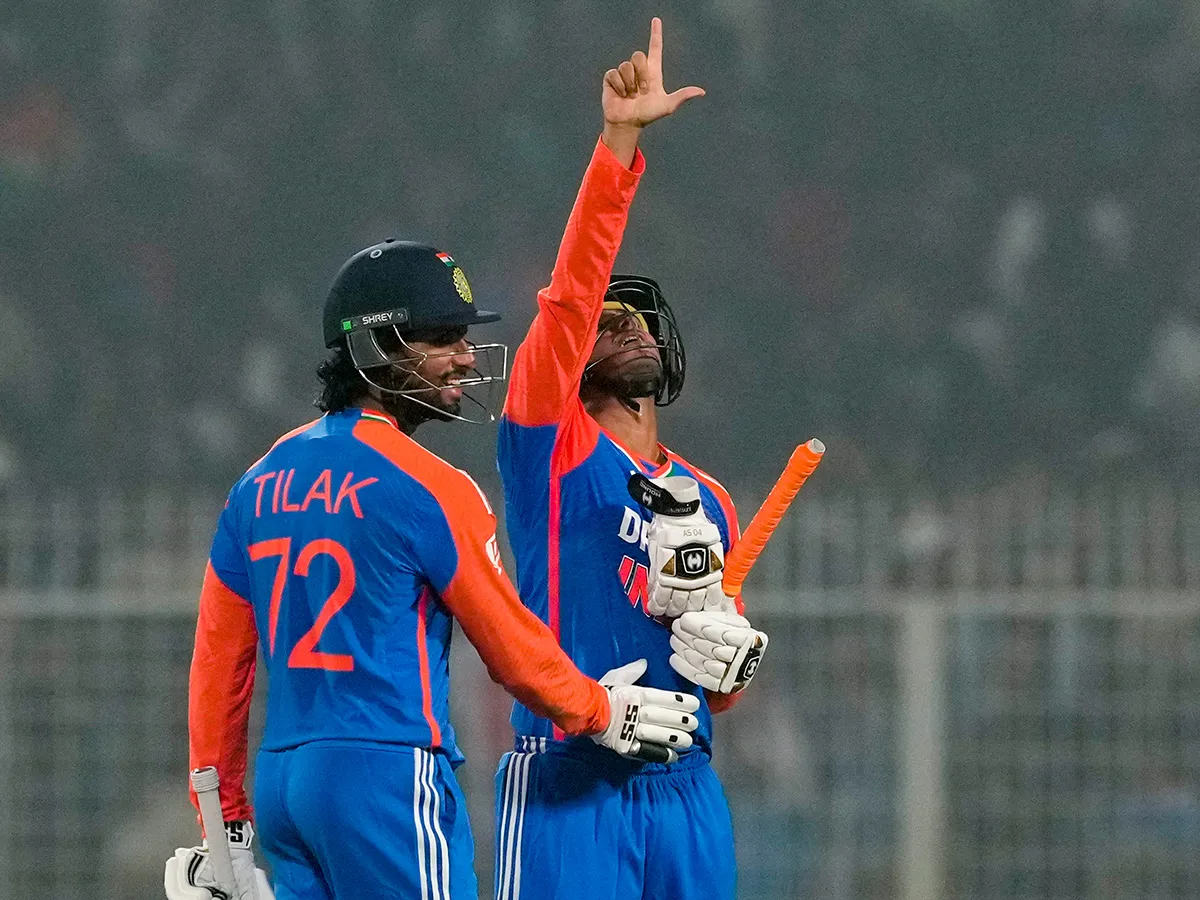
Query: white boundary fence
{"x":989,"y":696}
{"x":1143,"y":537}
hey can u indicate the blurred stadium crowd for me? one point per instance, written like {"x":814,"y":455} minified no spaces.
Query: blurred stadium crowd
{"x":956,"y":239}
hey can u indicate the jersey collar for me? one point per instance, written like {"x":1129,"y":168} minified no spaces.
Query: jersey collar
{"x":378,"y":417}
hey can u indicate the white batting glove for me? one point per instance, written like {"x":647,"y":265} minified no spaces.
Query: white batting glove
{"x":646,"y":723}
{"x":190,"y":876}
{"x":716,"y":650}
{"x":686,"y":555}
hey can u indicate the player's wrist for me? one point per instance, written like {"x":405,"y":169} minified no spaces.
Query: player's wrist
{"x":621,"y":138}
{"x":621,"y":130}
{"x":600,"y":725}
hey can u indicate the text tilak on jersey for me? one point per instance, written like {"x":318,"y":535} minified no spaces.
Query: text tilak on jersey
{"x":319,"y":495}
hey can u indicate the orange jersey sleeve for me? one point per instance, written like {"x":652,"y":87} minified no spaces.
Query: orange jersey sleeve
{"x":219,"y":689}
{"x":549,"y":364}
{"x":518,"y":649}
{"x":520,"y":652}
{"x":719,"y":703}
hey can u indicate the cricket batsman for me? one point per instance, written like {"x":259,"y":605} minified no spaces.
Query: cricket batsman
{"x":592,"y":498}
{"x":344,"y":555}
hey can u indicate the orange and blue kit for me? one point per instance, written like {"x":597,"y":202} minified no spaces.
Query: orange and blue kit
{"x":564,"y":807}
{"x":342,"y":556}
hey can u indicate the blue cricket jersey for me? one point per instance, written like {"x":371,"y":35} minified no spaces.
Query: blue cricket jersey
{"x":343,"y":554}
{"x":577,"y":535}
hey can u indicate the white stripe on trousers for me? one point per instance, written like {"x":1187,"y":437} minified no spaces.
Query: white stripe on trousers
{"x":512,"y":827}
{"x":502,"y":828}
{"x":502,"y":843}
{"x":437,"y":828}
{"x":433,"y":856}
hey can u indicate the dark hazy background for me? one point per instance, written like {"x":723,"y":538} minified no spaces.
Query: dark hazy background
{"x":955,"y":239}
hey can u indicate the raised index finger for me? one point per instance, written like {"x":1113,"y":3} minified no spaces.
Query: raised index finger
{"x":654,"y":54}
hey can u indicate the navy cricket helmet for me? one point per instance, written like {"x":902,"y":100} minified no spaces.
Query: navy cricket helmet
{"x":643,"y":296}
{"x":410,"y":286}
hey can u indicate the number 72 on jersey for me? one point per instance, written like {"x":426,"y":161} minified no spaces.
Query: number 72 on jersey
{"x":304,"y":654}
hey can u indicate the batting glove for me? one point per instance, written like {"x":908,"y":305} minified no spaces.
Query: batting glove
{"x":190,"y":876}
{"x":686,"y":555}
{"x":716,"y":650}
{"x":646,"y":723}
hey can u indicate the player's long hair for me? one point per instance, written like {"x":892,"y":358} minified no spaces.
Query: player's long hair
{"x":343,"y":381}
{"x":342,"y":385}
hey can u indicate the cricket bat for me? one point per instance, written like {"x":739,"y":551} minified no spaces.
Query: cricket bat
{"x":207,"y":783}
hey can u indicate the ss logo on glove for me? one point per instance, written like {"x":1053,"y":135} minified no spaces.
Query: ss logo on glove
{"x":629,"y":728}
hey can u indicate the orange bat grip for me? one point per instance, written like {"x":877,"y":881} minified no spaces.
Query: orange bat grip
{"x":742,"y":557}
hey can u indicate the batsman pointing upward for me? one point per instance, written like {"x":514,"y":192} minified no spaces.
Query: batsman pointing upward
{"x":578,"y":433}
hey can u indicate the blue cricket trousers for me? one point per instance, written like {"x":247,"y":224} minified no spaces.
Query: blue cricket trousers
{"x":351,"y":820}
{"x":576,"y":824}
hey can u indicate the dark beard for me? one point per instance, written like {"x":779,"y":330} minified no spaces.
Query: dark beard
{"x":409,"y":413}
{"x":626,"y":385}
{"x":443,"y":413}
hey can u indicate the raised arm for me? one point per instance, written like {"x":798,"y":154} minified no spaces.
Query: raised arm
{"x":549,"y":364}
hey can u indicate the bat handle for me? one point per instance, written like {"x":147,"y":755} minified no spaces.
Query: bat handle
{"x":654,"y":753}
{"x":207,"y":784}
{"x":803,"y":461}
